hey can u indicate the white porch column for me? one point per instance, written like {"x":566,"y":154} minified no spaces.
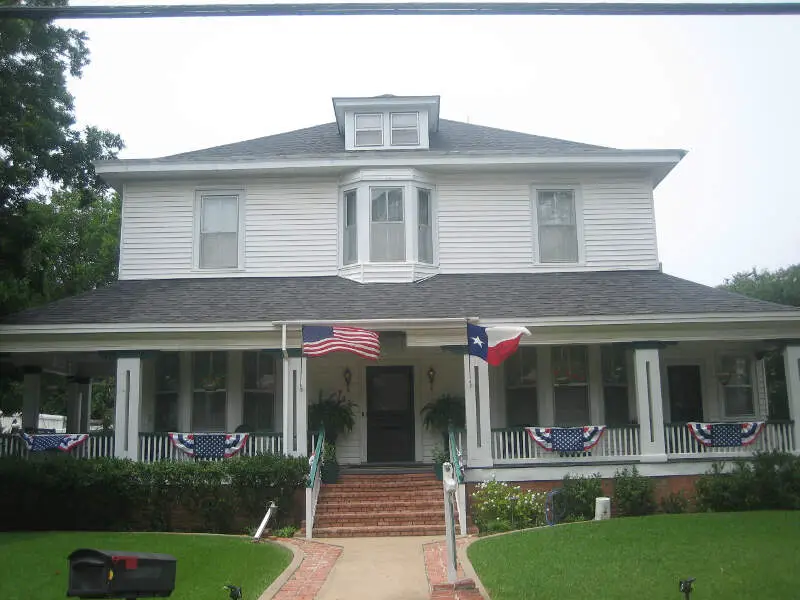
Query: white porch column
{"x":73,"y":406}
{"x":791,"y":362}
{"x":647,"y":374}
{"x":295,"y":426}
{"x":185,"y":392}
{"x":85,"y":391}
{"x":128,"y":401}
{"x":477,"y":400}
{"x":235,"y":406}
{"x":31,"y":397}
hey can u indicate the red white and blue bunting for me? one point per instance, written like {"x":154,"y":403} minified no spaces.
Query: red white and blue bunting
{"x":726,"y":435}
{"x":566,"y":439}
{"x":39,"y":442}
{"x":209,"y":445}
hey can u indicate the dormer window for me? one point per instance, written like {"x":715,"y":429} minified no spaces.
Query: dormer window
{"x":369,"y":129}
{"x":405,"y":129}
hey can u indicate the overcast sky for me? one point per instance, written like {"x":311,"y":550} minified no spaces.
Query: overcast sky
{"x":727,"y":89}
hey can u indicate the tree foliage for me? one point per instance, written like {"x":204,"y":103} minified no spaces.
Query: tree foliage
{"x":41,"y":149}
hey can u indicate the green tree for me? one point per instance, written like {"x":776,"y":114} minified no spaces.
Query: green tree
{"x":40,"y":146}
{"x":781,"y":286}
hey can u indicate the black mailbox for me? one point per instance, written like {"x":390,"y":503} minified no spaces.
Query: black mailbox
{"x":120,"y":574}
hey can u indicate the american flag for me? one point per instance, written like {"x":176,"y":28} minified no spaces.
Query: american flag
{"x":318,"y":341}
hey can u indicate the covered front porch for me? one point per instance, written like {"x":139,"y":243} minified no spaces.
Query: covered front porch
{"x":643,"y":392}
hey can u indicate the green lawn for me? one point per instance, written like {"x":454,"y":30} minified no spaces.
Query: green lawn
{"x":732,"y":555}
{"x":34,"y":565}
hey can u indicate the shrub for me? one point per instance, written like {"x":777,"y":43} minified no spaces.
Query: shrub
{"x":770,"y":481}
{"x":285,"y":532}
{"x":498,"y":506}
{"x":634,"y":494}
{"x":578,"y":495}
{"x":63,"y":493}
{"x":674,"y":503}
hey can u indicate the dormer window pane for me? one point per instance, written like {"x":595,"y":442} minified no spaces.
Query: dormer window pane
{"x":387,"y":229}
{"x":350,"y":250}
{"x":369,"y":130}
{"x":405,"y":129}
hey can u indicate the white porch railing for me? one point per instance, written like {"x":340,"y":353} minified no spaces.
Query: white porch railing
{"x":680,"y":443}
{"x":514,"y":445}
{"x":158,"y":446}
{"x":98,"y":445}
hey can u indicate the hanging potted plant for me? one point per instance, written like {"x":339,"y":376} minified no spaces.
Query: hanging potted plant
{"x":445,"y":412}
{"x":335,"y":413}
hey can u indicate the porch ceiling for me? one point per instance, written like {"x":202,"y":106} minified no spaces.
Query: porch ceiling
{"x":517,"y":296}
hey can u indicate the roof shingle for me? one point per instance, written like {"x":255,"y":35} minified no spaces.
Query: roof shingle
{"x":500,"y":296}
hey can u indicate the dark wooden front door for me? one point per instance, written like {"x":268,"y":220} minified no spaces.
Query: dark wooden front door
{"x":390,"y":414}
{"x":685,"y":393}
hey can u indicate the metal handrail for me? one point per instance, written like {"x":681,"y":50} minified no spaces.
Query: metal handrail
{"x":315,"y":462}
{"x":455,"y":456}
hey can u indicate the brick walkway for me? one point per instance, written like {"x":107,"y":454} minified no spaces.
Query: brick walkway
{"x":317,"y":563}
{"x":436,"y":569}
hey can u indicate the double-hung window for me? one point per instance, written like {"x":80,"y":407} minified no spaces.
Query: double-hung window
{"x":209,"y":387}
{"x":520,"y":383}
{"x":166,"y":392}
{"x":571,"y":385}
{"x":424,"y":226}
{"x":259,"y":391}
{"x":405,"y":129}
{"x":369,"y":129}
{"x":350,"y":228}
{"x":558,"y":230}
{"x":219,"y":231}
{"x":387,"y":226}
{"x":735,"y":373}
{"x":614,"y":360}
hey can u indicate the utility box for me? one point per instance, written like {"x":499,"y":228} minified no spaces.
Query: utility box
{"x":120,"y":574}
{"x":602,"y":509}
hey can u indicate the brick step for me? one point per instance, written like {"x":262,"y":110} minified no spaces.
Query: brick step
{"x":348,"y":519}
{"x":378,"y":531}
{"x":423,"y":476}
{"x":388,"y":495}
{"x":389,"y":506}
{"x":383,"y":485}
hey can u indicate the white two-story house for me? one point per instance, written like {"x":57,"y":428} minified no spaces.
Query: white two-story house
{"x":396,"y":220}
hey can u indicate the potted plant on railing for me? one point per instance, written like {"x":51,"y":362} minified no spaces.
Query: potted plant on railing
{"x":330,"y":466}
{"x":443,"y":413}
{"x":335,"y":413}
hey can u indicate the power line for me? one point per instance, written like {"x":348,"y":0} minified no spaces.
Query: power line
{"x":405,"y":8}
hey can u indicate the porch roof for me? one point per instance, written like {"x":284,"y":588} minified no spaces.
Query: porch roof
{"x":488,"y":296}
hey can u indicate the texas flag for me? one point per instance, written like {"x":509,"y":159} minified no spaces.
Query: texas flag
{"x":493,"y":344}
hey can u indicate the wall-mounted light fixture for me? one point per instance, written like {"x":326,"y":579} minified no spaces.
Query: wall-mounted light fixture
{"x":431,"y":376}
{"x":348,"y":377}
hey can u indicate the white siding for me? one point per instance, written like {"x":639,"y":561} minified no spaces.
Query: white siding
{"x":290,"y":229}
{"x":485,"y":224}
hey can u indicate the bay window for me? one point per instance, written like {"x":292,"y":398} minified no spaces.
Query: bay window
{"x":350,"y":233}
{"x":424,"y":226}
{"x":570,"y":385}
{"x":557,"y":226}
{"x":387,"y":227}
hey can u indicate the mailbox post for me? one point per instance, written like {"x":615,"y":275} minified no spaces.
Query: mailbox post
{"x":118,"y":574}
{"x":450,"y":485}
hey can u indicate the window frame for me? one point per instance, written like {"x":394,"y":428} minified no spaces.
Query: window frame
{"x":521,"y":384}
{"x":344,"y":228}
{"x":405,"y":221}
{"x":393,"y":128}
{"x":577,"y":197}
{"x":752,"y":386}
{"x":357,"y":129}
{"x":201,"y":389}
{"x":197,"y":217}
{"x":431,"y":224}
{"x":584,"y":384}
{"x":261,"y":355}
